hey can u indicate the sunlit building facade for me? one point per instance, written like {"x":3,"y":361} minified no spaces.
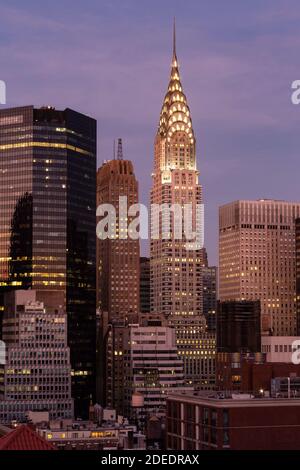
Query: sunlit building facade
{"x":257,"y":259}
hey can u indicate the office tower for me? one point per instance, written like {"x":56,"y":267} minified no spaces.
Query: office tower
{"x":118,"y":271}
{"x":298,"y":274}
{"x":257,"y":259}
{"x":238,"y":326}
{"x":37,"y":373}
{"x":144,"y":285}
{"x":210,"y":280}
{"x":175,"y":266}
{"x":47,"y":224}
{"x":197,"y":348}
{"x":118,"y":258}
{"x":152,"y":368}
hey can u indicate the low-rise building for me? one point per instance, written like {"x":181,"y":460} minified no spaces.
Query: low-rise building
{"x":199,"y":421}
{"x":86,"y":435}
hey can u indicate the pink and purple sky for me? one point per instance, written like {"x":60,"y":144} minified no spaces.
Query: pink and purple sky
{"x":111,"y":59}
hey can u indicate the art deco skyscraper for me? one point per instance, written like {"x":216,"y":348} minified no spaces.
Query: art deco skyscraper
{"x":257,"y":259}
{"x":47,"y":223}
{"x":118,"y":274}
{"x":176,"y":285}
{"x":175,"y":268}
{"x":118,"y":257}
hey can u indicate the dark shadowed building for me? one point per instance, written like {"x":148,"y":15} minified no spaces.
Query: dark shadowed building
{"x":238,"y":326}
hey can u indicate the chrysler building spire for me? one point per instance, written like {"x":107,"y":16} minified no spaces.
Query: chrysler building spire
{"x":175,"y":264}
{"x":175,"y":119}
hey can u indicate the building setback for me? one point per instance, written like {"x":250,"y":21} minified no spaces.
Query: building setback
{"x":257,"y":259}
{"x":47,"y":203}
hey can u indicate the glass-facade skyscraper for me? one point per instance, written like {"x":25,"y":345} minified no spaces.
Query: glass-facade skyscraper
{"x":47,"y":224}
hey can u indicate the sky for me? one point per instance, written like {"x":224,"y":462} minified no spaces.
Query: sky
{"x":111,"y":59}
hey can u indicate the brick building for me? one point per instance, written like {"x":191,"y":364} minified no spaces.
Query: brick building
{"x":250,"y":372}
{"x":196,"y":421}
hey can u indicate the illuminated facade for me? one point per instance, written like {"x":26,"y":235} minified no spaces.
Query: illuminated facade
{"x":175,"y":269}
{"x":176,"y":282}
{"x":257,"y":259}
{"x":47,"y":225}
{"x":197,"y":348}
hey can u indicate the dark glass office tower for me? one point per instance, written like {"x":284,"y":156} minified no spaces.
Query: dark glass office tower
{"x":238,"y":326}
{"x":47,"y":223}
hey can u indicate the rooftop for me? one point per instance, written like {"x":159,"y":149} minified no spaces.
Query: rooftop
{"x":232,"y":399}
{"x":24,"y":438}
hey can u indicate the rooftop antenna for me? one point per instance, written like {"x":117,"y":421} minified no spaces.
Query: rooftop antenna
{"x":114,"y":149}
{"x":174,"y":38}
{"x":120,"y":150}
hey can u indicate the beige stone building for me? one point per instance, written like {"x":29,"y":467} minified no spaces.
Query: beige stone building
{"x":257,"y":259}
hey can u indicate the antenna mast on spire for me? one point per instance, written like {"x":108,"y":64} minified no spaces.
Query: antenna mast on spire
{"x":174,"y":38}
{"x":120,"y":150}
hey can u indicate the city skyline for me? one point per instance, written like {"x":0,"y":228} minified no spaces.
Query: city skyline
{"x":123,"y":327}
{"x":237,"y":71}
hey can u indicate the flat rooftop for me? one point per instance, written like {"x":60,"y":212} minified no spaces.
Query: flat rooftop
{"x":231,"y":399}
